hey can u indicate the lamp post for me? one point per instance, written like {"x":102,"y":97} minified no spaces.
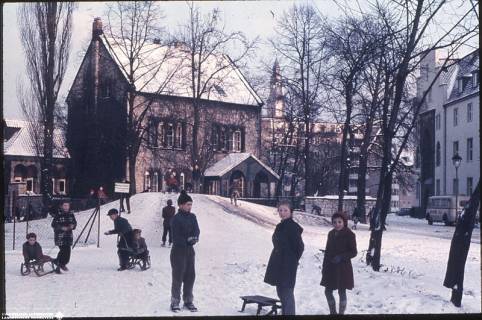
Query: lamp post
{"x":456,"y":159}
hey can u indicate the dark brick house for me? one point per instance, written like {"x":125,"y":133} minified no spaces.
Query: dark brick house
{"x":97,"y":117}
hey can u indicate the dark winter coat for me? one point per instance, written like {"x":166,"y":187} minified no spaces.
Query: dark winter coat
{"x":167,"y":214}
{"x":64,"y":237}
{"x":184,"y":226}
{"x":339,"y":275}
{"x":32,"y":252}
{"x":139,"y":246}
{"x":287,"y":251}
{"x":124,"y":230}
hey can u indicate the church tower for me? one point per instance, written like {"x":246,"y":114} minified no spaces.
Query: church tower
{"x":275,"y":103}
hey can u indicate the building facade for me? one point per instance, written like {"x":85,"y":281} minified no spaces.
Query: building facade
{"x":230,"y":116}
{"x":449,"y":125}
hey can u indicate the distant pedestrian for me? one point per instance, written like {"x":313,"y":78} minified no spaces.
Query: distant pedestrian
{"x":356,"y":217}
{"x":127,"y":197}
{"x":283,"y":262}
{"x":102,"y":195}
{"x":234,"y":197}
{"x":337,"y":271}
{"x":185,"y":234}
{"x":63,"y":224}
{"x":167,"y":214}
{"x":124,"y":230}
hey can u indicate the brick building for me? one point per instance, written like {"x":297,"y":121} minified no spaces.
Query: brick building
{"x":230,"y":117}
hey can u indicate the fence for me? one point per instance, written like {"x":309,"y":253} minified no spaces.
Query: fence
{"x":296,"y":202}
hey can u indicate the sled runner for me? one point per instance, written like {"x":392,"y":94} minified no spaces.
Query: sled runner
{"x":262,"y":301}
{"x":37,"y":267}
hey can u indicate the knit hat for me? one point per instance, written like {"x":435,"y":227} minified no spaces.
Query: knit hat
{"x":112,"y":211}
{"x":183,"y":198}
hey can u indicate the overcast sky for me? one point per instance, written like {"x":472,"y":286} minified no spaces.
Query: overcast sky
{"x":254,"y":18}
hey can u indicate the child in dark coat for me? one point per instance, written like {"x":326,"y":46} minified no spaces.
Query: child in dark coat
{"x":337,"y":271}
{"x":283,"y":262}
{"x":139,"y":245}
{"x":33,"y":251}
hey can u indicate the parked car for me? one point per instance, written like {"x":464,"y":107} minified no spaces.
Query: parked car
{"x":442,"y":209}
{"x":404,"y":211}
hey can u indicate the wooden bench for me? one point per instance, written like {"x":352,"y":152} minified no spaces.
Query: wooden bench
{"x":262,"y":302}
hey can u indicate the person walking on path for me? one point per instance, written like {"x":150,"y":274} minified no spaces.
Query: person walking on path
{"x":283,"y":262}
{"x":185,"y":233}
{"x":167,"y":214}
{"x":337,"y":271}
{"x":63,"y":223}
{"x":127,"y":197}
{"x":124,"y":230}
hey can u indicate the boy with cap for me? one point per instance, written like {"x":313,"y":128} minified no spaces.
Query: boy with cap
{"x":185,"y":233}
{"x":124,"y":230}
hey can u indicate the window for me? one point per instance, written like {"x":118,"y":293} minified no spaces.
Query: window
{"x":475,"y":79}
{"x":469,"y":186}
{"x":29,"y":184}
{"x":456,"y":148}
{"x":215,"y":138}
{"x":53,"y":186}
{"x":460,"y":85}
{"x":183,"y":181}
{"x":62,"y":186}
{"x":437,"y":187}
{"x":455,"y":187}
{"x":437,"y":155}
{"x":470,"y":147}
{"x":155,"y":182}
{"x":105,"y":90}
{"x":147,"y":181}
{"x":169,"y":135}
{"x":469,"y":112}
{"x":437,"y":122}
{"x":229,"y":146}
{"x":160,"y":133}
{"x":237,"y":141}
{"x":222,"y":139}
{"x":429,"y":95}
{"x":178,"y":135}
{"x":456,"y":116}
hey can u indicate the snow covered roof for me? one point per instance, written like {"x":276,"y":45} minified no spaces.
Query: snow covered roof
{"x":466,"y":67}
{"x":232,"y":160}
{"x":164,"y":69}
{"x":21,"y":144}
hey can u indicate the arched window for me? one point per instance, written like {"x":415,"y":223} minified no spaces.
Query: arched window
{"x":437,"y":154}
{"x":147,"y":181}
{"x":155,"y":182}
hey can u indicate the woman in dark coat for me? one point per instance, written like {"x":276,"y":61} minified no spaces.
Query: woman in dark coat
{"x":283,"y":262}
{"x":337,"y":271}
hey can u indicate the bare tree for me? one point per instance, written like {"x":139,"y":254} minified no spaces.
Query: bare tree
{"x":45,"y":30}
{"x":406,"y":43}
{"x":206,"y":42}
{"x":352,"y":48}
{"x":300,"y":45}
{"x":134,"y":33}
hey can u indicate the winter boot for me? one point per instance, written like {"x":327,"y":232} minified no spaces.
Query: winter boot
{"x":342,"y":307}
{"x":57,"y":270}
{"x":163,"y":244}
{"x":332,"y":306}
{"x":175,"y":307}
{"x":190,"y":306}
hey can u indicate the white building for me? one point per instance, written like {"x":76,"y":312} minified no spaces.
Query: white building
{"x":454,"y":104}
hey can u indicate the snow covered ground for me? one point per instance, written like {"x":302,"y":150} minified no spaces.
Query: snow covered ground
{"x":231,"y":258}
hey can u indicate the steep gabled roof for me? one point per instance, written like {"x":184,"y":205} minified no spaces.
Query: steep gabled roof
{"x":20,"y":143}
{"x":165,"y":70}
{"x":232,"y":160}
{"x":465,"y":68}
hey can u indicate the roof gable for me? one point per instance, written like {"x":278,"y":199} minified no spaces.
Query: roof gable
{"x":165,"y":70}
{"x":231,"y":161}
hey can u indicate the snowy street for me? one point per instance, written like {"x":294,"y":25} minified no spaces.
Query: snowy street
{"x":231,"y":258}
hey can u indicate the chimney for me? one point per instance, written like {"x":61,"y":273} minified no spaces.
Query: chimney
{"x":97,"y":28}
{"x":157,"y":41}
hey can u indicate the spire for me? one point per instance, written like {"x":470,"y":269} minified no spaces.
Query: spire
{"x":275,"y":105}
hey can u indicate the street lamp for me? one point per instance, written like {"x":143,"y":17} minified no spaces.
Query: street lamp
{"x":456,"y":159}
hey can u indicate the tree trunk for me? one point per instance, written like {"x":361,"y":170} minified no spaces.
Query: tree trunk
{"x":459,"y":248}
{"x":343,"y":163}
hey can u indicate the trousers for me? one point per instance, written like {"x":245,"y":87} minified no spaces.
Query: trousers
{"x":287,"y":297}
{"x":183,"y":274}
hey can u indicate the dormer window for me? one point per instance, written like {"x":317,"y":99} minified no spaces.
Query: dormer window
{"x":460,"y":84}
{"x":475,"y":79}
